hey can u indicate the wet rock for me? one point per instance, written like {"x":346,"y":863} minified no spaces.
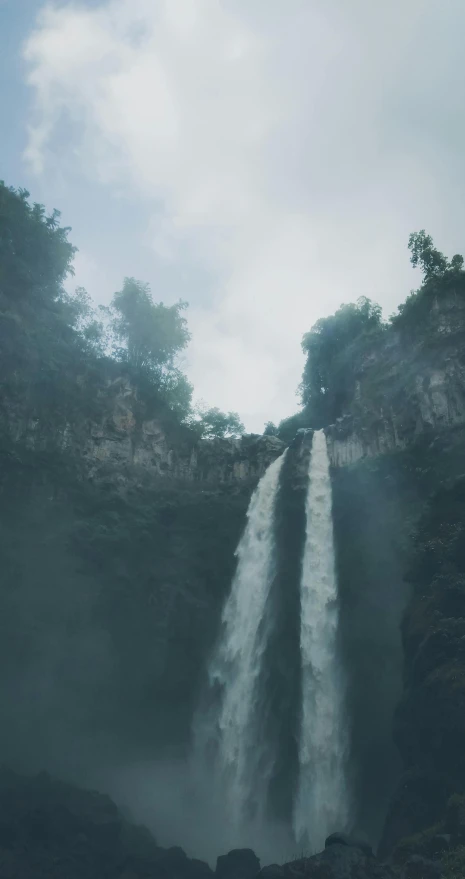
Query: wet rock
{"x":418,"y":803}
{"x":339,"y":860}
{"x":273,"y":871}
{"x":345,"y":839}
{"x":53,"y":830}
{"x":238,"y":864}
{"x":418,"y":867}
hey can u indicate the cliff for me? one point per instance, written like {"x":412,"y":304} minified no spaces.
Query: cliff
{"x":124,"y":438}
{"x":410,"y":383}
{"x":399,"y":516}
{"x":407,"y":385}
{"x":121,"y":440}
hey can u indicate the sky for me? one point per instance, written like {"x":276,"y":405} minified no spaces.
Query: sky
{"x":265,"y":160}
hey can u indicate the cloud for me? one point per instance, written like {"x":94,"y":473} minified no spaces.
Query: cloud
{"x":287,"y":149}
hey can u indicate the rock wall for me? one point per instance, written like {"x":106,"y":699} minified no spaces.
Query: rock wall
{"x":124,"y":440}
{"x":406,"y":387}
{"x":120,"y":440}
{"x":409,"y":386}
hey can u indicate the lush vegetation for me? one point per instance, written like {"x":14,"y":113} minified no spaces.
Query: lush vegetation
{"x":338,"y":347}
{"x":110,"y":588}
{"x":57,"y":349}
{"x":211,"y":422}
{"x":333,"y":347}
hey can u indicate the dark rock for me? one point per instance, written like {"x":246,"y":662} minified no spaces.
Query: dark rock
{"x":440,"y":843}
{"x":241,"y":863}
{"x":345,"y":839}
{"x":53,"y":830}
{"x":273,"y":871}
{"x":422,"y":868}
{"x":455,"y":818}
{"x":340,"y":860}
{"x":418,"y":804}
{"x":199,"y":869}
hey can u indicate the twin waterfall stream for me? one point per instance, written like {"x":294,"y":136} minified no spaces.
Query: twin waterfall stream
{"x":321,"y":805}
{"x":231,"y":738}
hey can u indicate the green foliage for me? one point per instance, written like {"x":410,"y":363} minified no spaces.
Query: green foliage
{"x":328,"y":376}
{"x":271,"y":429}
{"x":147,"y":337}
{"x":340,"y":347}
{"x":439,"y":539}
{"x":288,"y":427}
{"x":112,"y":597}
{"x":211,"y":423}
{"x":152,"y":334}
{"x":418,"y":844}
{"x":79,"y":312}
{"x":56,"y":350}
{"x":48,"y":339}
{"x":424,"y":254}
{"x":453,"y":864}
{"x":441,"y":279}
{"x":35,"y":254}
{"x":164,"y":558}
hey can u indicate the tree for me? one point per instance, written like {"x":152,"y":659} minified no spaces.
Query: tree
{"x":432,"y":262}
{"x":211,"y":423}
{"x":147,"y":335}
{"x":456,"y":263}
{"x":175,"y":390}
{"x":288,"y":427}
{"x":330,"y":349}
{"x":35,"y":254}
{"x":79,"y":313}
{"x":55,"y":347}
{"x":271,"y":429}
{"x":42,"y":340}
{"x":441,"y":278}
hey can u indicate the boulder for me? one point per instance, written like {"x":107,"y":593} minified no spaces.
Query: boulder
{"x":241,"y":863}
{"x":351,"y":841}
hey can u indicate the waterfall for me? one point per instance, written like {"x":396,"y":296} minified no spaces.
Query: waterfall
{"x":240,"y":763}
{"x":321,"y":803}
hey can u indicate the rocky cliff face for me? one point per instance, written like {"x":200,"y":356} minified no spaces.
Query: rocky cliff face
{"x":429,"y":722}
{"x":410,"y":386}
{"x":120,"y":441}
{"x":123,"y":439}
{"x":406,"y":388}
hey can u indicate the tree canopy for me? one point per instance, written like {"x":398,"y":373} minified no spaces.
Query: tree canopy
{"x":211,"y":423}
{"x":35,"y":254}
{"x":146,"y":334}
{"x":329,"y":349}
{"x":440,"y":278}
{"x":271,"y":429}
{"x":432,"y":262}
{"x":337,"y":345}
{"x":147,"y":337}
{"x":54,"y":344}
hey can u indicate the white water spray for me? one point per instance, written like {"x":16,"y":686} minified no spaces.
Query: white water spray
{"x":322,"y":802}
{"x":241,"y":768}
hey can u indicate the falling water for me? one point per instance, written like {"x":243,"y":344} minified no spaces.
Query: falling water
{"x":240,"y":762}
{"x":321,"y":803}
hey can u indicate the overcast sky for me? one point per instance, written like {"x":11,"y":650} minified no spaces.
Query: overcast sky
{"x":264,"y":159}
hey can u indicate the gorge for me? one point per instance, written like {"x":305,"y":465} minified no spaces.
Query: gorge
{"x":132,"y":597}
